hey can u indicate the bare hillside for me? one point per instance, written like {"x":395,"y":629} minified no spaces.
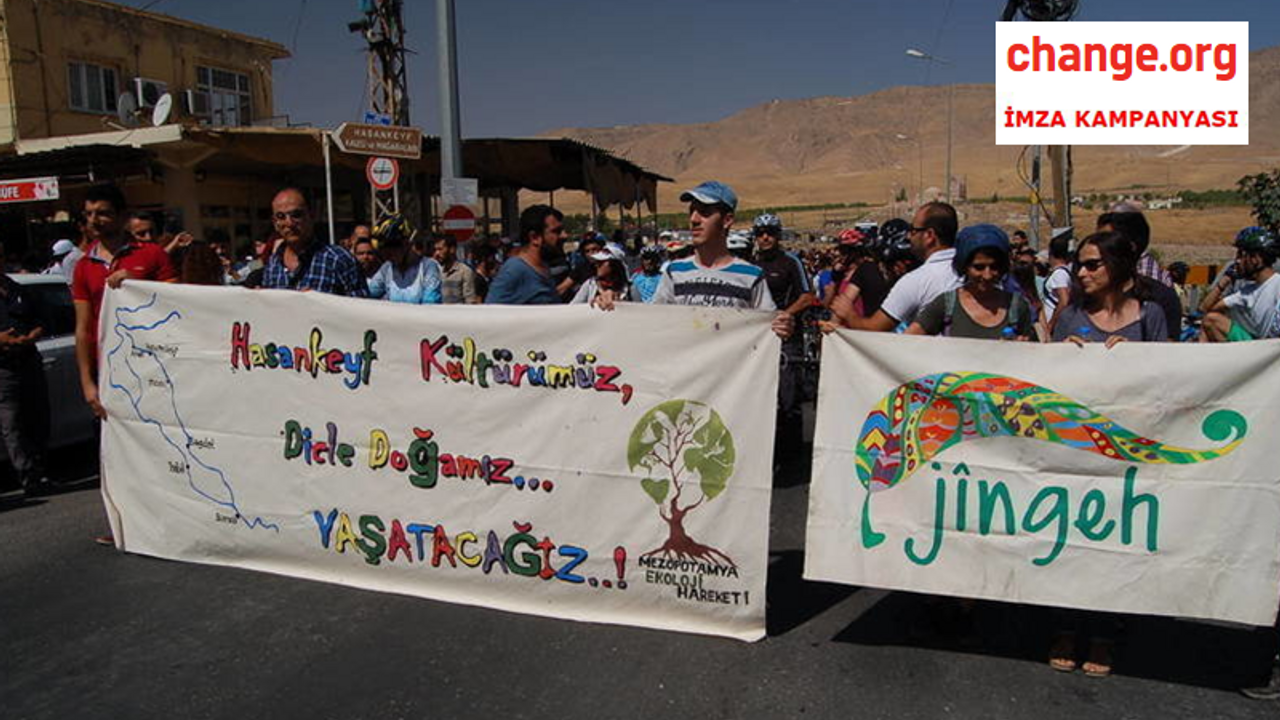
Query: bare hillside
{"x":834,"y":149}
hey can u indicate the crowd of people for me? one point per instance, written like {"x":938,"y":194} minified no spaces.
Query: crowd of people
{"x":922,"y":276}
{"x":931,"y":277}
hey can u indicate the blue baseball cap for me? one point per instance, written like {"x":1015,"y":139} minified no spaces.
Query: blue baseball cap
{"x":712,"y":192}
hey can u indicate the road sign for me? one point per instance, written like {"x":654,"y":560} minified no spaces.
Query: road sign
{"x":459,"y":191}
{"x":382,"y":172}
{"x":460,"y":222}
{"x":383,"y":140}
{"x":28,"y":190}
{"x":376,"y":118}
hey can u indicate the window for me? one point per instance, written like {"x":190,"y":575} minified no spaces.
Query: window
{"x":223,"y":97}
{"x":91,"y":88}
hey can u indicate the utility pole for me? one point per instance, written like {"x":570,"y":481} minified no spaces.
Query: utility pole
{"x":1060,"y":162}
{"x":1059,"y":155}
{"x":1035,"y":198}
{"x":447,"y":65}
{"x":383,"y":29}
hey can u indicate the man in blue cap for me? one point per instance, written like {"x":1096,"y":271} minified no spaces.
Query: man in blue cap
{"x":713,"y":277}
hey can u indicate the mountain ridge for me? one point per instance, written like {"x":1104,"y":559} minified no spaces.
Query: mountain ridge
{"x":868,"y":148}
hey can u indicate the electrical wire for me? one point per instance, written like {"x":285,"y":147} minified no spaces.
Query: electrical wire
{"x":297,"y":26}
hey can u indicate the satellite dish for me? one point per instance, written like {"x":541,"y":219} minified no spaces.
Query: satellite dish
{"x":127,"y":109}
{"x":164,"y":105}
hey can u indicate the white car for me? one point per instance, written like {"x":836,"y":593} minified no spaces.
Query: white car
{"x":70,"y":420}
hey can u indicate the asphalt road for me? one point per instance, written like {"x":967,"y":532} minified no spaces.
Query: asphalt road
{"x":86,"y":632}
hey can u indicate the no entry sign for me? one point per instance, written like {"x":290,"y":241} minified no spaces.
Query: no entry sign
{"x":28,"y":190}
{"x":460,"y":222}
{"x":383,"y":172}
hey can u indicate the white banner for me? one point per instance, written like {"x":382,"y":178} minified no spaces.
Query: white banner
{"x":565,"y":462}
{"x":1138,"y":479}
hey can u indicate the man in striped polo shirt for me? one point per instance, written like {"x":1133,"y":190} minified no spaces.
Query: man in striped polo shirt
{"x":712,"y":277}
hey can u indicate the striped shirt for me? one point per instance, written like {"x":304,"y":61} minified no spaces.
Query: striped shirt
{"x":736,"y":285}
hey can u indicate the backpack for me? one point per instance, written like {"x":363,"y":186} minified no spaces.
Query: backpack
{"x":951,"y":299}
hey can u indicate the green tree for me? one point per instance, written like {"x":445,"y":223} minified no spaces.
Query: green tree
{"x":687,"y":456}
{"x":1262,"y":191}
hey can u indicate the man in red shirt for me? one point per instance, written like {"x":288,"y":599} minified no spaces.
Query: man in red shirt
{"x":110,"y":259}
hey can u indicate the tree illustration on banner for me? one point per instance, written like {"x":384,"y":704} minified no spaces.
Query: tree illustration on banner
{"x":686,"y":454}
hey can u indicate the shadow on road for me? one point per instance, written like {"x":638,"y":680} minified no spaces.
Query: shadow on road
{"x":1155,"y":648}
{"x":16,"y":501}
{"x":792,"y":600}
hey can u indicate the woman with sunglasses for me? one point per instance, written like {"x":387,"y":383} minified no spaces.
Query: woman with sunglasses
{"x":981,"y":307}
{"x":1105,"y":306}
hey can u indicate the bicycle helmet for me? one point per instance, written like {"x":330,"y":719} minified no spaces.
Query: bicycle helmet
{"x":655,"y":251}
{"x":898,"y":251}
{"x":893,"y":231}
{"x":1256,"y":239}
{"x":851,"y":238}
{"x":393,"y":230}
{"x":767,"y":221}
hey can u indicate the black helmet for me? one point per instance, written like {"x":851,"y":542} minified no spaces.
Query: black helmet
{"x":894,"y":231}
{"x":897,"y":251}
{"x":1257,"y":239}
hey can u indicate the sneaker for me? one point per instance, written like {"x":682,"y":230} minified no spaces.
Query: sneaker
{"x":1270,"y":691}
{"x":106,"y":540}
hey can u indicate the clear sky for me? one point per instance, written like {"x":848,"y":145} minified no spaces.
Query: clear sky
{"x":527,"y":66}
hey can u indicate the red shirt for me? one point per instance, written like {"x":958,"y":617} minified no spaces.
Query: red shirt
{"x":144,"y":261}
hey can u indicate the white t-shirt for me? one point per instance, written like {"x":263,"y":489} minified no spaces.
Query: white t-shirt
{"x":1059,"y":279}
{"x":1255,"y":306}
{"x":918,"y":287}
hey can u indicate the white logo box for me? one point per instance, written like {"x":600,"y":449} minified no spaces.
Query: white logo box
{"x":1157,"y":104}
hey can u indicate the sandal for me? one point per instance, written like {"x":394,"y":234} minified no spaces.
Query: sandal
{"x":1062,"y":653}
{"x":1101,"y":658}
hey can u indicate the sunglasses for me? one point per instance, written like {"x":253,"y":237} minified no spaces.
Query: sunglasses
{"x":917,"y":229}
{"x":291,"y":215}
{"x":1090,"y":265}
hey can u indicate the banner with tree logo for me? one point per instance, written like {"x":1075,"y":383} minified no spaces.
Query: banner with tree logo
{"x":1137,"y":479}
{"x":565,"y":462}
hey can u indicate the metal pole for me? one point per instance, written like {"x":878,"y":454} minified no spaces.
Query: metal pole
{"x":450,"y":122}
{"x":328,"y":189}
{"x":951,"y":89}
